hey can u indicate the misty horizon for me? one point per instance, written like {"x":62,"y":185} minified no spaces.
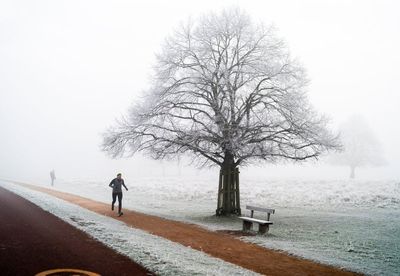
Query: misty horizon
{"x":68,"y":72}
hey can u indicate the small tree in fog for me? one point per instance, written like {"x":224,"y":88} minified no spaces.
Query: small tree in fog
{"x":360,"y":146}
{"x":228,"y":93}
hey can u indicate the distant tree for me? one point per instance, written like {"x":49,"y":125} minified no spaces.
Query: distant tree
{"x":360,"y":146}
{"x":228,"y":93}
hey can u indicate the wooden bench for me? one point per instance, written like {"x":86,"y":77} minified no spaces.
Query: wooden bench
{"x":263,"y":225}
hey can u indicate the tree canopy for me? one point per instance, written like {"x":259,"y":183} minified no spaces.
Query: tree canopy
{"x":224,"y":88}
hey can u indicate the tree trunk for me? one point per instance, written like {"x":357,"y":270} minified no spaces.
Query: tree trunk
{"x":352,"y":172}
{"x":228,"y":191}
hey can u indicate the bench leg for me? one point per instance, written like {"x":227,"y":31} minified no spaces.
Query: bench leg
{"x":262,"y":229}
{"x":247,"y":225}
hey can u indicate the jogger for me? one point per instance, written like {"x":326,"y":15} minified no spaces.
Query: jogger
{"x":116,"y":184}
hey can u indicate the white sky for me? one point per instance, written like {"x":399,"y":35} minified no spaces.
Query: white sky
{"x":69,"y":68}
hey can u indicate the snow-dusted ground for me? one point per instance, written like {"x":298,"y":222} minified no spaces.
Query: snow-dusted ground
{"x":351,"y":224}
{"x":157,"y":254}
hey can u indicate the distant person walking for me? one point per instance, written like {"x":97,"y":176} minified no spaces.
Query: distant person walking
{"x":52,"y":177}
{"x":116,"y":184}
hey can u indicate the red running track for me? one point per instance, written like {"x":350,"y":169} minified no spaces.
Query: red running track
{"x":33,"y":240}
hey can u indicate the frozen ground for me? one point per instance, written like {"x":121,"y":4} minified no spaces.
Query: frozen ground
{"x":157,"y":254}
{"x":351,"y":224}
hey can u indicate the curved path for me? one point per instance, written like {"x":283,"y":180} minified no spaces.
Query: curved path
{"x":33,"y":240}
{"x":220,"y":245}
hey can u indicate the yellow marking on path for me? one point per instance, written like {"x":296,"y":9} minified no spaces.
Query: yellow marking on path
{"x":67,"y":272}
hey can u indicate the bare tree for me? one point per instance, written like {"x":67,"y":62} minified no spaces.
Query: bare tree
{"x":227,"y":92}
{"x":361,"y":147}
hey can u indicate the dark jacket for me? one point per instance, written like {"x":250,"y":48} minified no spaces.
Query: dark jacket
{"x":117,"y":184}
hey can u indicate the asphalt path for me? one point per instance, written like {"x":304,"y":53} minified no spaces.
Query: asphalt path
{"x":33,"y":240}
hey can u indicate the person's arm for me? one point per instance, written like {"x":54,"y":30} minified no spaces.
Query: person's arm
{"x":123,"y":184}
{"x":111,"y":184}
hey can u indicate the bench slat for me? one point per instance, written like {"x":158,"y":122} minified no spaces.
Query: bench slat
{"x":260,"y":209}
{"x":256,"y":220}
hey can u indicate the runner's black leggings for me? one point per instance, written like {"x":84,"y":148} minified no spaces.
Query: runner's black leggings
{"x":114,"y":198}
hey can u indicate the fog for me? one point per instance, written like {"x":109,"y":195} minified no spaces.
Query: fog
{"x":68,"y":69}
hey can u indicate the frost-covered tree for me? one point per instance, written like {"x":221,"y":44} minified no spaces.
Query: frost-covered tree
{"x":360,"y":146}
{"x":226,"y":92}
